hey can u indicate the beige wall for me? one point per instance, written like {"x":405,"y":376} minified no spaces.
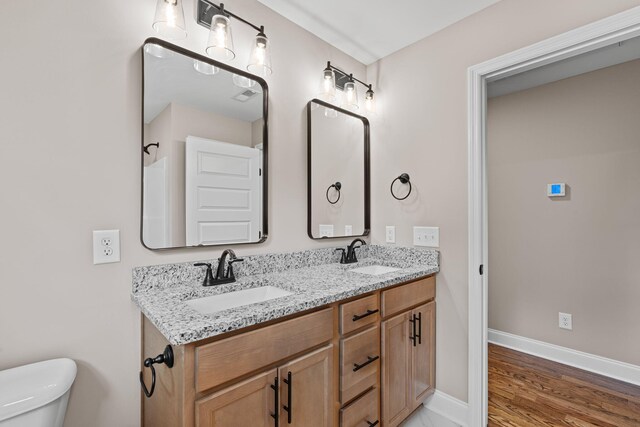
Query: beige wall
{"x":70,"y":163}
{"x":577,"y":254}
{"x":421,"y":129}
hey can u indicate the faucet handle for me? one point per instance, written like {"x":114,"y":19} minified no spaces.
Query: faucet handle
{"x":230,"y":269}
{"x":208,"y":278}
{"x":342,"y":257}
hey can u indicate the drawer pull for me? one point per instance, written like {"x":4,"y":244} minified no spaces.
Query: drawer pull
{"x":371,"y":359}
{"x":357,"y":317}
{"x":276,"y":390}
{"x":288,"y":406}
{"x":371,"y":424}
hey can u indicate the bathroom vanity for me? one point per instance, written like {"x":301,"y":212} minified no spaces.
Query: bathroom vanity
{"x":342,"y":348}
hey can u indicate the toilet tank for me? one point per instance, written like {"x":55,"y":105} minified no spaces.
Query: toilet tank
{"x":36,"y":395}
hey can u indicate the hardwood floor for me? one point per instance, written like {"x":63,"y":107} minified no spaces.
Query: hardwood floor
{"x":529,"y":391}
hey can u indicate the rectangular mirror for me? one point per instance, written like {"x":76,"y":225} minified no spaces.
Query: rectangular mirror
{"x":338,"y":172}
{"x":204,"y":151}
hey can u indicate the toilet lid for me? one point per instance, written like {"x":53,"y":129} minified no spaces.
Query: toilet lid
{"x":29,"y":387}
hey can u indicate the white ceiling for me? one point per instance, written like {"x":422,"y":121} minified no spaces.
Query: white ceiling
{"x":372,"y":29}
{"x":591,"y":61}
{"x":172,"y":78}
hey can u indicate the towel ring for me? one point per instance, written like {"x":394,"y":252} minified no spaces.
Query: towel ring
{"x":337,"y":186}
{"x":404,"y":179}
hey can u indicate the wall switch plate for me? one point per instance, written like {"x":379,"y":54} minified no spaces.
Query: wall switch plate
{"x":106,"y":246}
{"x":565,"y":321}
{"x":426,"y":236}
{"x":391,"y":234}
{"x":348,"y":230}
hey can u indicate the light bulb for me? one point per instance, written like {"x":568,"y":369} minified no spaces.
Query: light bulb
{"x":260,"y":60}
{"x":205,"y":68}
{"x":369,"y":101}
{"x":169,"y":19}
{"x":328,"y":85}
{"x":351,"y":95}
{"x":220,"y":44}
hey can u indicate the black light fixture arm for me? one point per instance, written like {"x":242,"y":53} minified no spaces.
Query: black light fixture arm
{"x":225,"y":12}
{"x":331,"y":67}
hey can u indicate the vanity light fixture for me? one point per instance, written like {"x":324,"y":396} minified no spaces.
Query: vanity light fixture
{"x":333,"y":78}
{"x":220,"y":45}
{"x":169,"y":19}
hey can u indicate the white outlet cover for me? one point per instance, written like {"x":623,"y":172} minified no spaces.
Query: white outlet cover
{"x":390,"y":234}
{"x":426,"y":236}
{"x":348,"y":230}
{"x":106,"y":246}
{"x":565,"y":321}
{"x":325,"y":230}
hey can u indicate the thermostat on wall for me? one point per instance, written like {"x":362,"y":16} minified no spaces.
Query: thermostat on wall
{"x":556,"y":190}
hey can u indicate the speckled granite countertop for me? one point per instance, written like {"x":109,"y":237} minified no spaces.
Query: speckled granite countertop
{"x":314,"y":277}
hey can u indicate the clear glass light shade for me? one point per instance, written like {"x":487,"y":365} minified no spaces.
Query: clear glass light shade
{"x":220,"y":44}
{"x":330,"y":113}
{"x":243,"y":82}
{"x":328,"y":86}
{"x":370,"y":102}
{"x":204,"y":68}
{"x":260,"y":59}
{"x":169,"y":19}
{"x":156,"y":50}
{"x":350,"y":97}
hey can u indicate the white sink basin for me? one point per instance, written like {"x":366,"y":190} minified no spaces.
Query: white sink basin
{"x":216,"y":303}
{"x":374,"y":270}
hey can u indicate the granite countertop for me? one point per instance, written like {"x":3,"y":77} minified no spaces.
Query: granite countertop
{"x":161,"y":292}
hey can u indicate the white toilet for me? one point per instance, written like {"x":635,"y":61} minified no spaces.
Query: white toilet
{"x":36,"y":395}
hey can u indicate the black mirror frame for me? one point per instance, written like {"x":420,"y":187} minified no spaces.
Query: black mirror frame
{"x":367,"y":171}
{"x":265,"y":140}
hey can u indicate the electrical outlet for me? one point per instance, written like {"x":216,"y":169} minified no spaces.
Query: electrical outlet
{"x":348,"y":230}
{"x":106,"y":246}
{"x":426,"y":236}
{"x":391,"y":234}
{"x":565,"y":321}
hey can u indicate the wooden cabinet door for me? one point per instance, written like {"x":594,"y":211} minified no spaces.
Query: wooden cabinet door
{"x":396,"y":370}
{"x":423,"y":353}
{"x":306,"y":392}
{"x":249,"y":403}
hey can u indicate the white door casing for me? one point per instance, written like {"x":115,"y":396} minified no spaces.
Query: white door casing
{"x":617,"y":28}
{"x":222,"y":192}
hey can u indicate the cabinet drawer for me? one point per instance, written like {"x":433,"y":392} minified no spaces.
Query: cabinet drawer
{"x":356,"y":314}
{"x":224,"y":360}
{"x":359,"y":363}
{"x":362,"y":412}
{"x":406,"y":296}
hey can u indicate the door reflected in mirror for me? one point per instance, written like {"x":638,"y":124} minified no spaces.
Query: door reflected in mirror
{"x":204,"y":151}
{"x":338,"y":180}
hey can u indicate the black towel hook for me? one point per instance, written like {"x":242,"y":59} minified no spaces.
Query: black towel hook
{"x":404,"y":179}
{"x":146,"y":147}
{"x":337,"y":186}
{"x":167,"y":358}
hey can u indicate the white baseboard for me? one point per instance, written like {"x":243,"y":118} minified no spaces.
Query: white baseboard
{"x":589,"y":362}
{"x":449,"y":407}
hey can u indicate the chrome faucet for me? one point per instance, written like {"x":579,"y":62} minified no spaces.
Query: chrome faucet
{"x":221,"y":276}
{"x":349,"y":256}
